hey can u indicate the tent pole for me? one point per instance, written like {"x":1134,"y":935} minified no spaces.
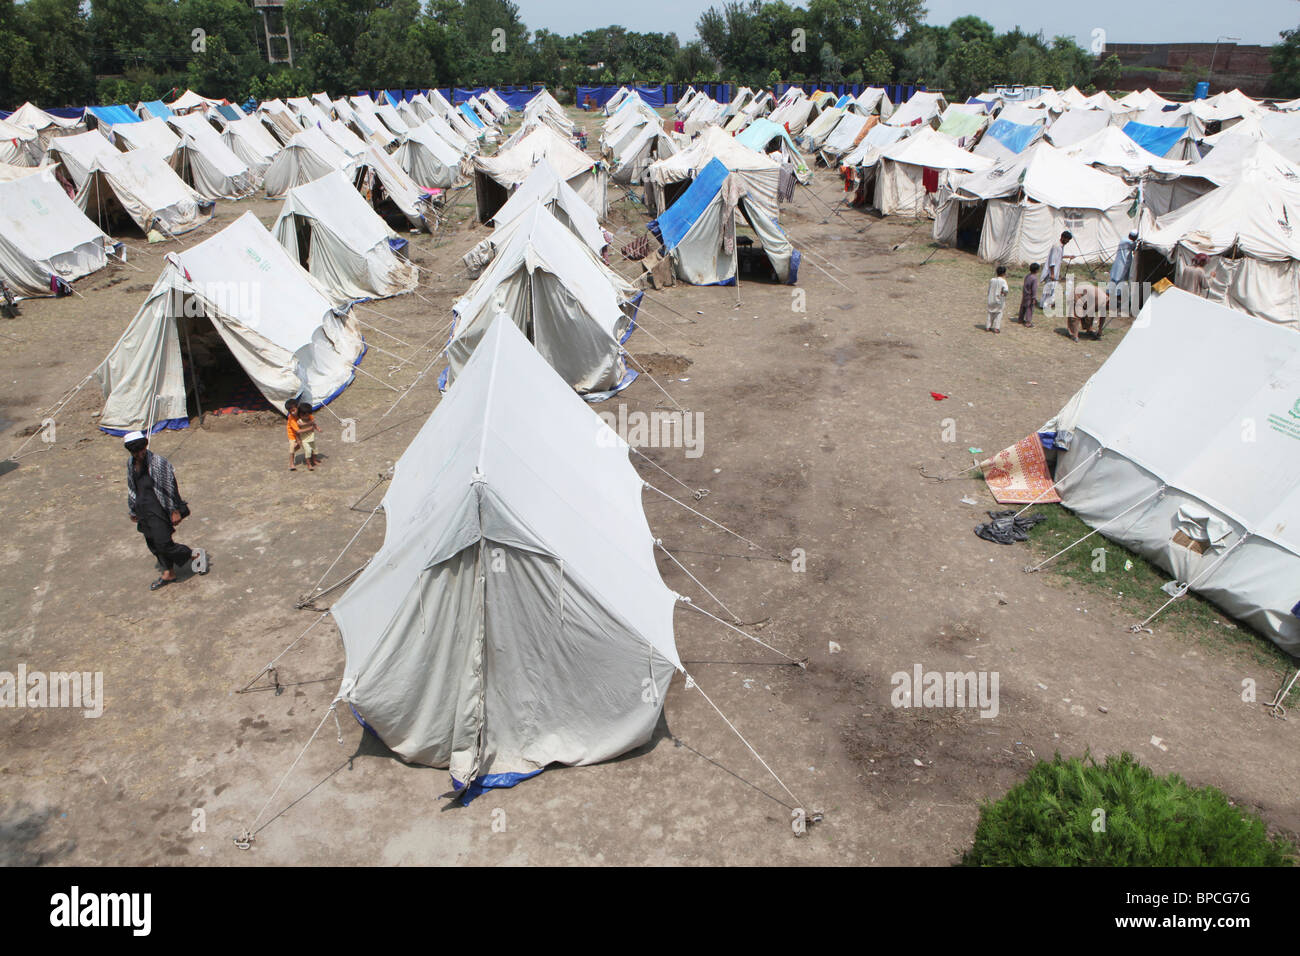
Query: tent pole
{"x":194,"y":374}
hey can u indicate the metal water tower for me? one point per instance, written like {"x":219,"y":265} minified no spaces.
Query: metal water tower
{"x":275,"y":42}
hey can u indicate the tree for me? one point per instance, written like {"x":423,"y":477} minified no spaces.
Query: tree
{"x":921,"y":63}
{"x":971,"y":67}
{"x":1107,"y":74}
{"x":1285,"y":59}
{"x":878,"y":69}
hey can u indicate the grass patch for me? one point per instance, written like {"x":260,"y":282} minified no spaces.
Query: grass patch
{"x":1133,"y":583}
{"x":1080,"y":813}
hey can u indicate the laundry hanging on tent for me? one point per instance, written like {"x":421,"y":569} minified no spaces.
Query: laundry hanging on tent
{"x":930,"y":178}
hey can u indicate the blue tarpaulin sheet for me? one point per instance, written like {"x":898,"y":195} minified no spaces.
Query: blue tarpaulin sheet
{"x":113,"y":115}
{"x":600,"y":95}
{"x":159,"y":109}
{"x":1156,"y":139}
{"x":473,"y":117}
{"x":1014,"y":136}
{"x":672,"y":227}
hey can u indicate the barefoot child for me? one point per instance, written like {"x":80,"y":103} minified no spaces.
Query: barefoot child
{"x":302,"y":430}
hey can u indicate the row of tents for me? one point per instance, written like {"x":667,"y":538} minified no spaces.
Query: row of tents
{"x":160,"y":169}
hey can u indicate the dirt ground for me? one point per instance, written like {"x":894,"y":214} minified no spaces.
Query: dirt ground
{"x":816,"y":424}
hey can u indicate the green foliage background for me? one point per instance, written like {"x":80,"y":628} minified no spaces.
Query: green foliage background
{"x":75,"y":52}
{"x":1049,"y":820}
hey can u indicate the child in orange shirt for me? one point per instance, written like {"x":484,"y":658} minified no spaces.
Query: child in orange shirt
{"x":302,"y":429}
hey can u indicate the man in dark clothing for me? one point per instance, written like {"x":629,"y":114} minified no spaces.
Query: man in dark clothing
{"x":154,"y":502}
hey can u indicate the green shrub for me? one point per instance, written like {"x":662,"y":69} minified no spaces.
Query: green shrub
{"x":1051,"y":819}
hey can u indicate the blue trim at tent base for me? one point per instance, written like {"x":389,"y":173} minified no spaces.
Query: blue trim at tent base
{"x":628,"y":378}
{"x":796,"y":257}
{"x":365,"y":347}
{"x":172,"y":424}
{"x":491,"y":781}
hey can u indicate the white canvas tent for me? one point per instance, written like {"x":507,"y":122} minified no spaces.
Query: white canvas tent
{"x":330,"y":230}
{"x":546,"y":189}
{"x":900,"y":176}
{"x":189,"y":101}
{"x":309,"y":155}
{"x":1247,"y":229}
{"x":46,"y":125}
{"x":497,"y":674}
{"x":136,"y":183}
{"x":1029,"y":202}
{"x":923,"y":107}
{"x":668,"y":178}
{"x":343,"y":138}
{"x":45,"y":240}
{"x":699,"y":232}
{"x":1073,"y":126}
{"x":544,"y":107}
{"x":573,"y":308}
{"x":497,"y":176}
{"x":428,"y":159}
{"x":1228,"y":520}
{"x":151,"y":134}
{"x":383,"y":182}
{"x":78,"y":152}
{"x":240,"y":293}
{"x":280,"y":120}
{"x":368,"y":128}
{"x":208,"y":164}
{"x":19,"y":145}
{"x":252,"y":142}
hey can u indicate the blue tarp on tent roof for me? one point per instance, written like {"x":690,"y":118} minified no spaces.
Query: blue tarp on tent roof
{"x":1156,"y":139}
{"x":159,"y":109}
{"x":672,"y":227}
{"x":113,"y":115}
{"x":228,"y":112}
{"x":1014,"y":136}
{"x":843,"y":101}
{"x":762,"y":131}
{"x":473,"y":117}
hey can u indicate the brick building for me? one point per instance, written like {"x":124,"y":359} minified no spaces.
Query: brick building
{"x":1168,"y":67}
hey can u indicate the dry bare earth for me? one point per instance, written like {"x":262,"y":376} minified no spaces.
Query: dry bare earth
{"x":814,"y":427}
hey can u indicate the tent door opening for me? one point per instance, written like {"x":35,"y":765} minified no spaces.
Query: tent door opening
{"x":215,"y":382}
{"x":303,"y":231}
{"x":491,"y":196}
{"x":105,"y":210}
{"x":970,"y":224}
{"x":673,"y":192}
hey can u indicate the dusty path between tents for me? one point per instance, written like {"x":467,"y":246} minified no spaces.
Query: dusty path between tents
{"x":814,"y":425}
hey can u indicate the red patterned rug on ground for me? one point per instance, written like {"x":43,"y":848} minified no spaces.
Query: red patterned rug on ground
{"x":245,"y":398}
{"x":1018,"y":475}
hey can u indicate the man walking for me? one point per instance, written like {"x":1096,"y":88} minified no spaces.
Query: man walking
{"x":1056,"y":260}
{"x":1121,"y":273}
{"x":154,"y":503}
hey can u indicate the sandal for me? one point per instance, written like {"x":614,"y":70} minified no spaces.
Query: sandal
{"x":161,"y":583}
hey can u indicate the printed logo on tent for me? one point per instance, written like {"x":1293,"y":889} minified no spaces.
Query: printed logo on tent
{"x":1295,"y":409}
{"x":261,"y":263}
{"x":1285,"y":222}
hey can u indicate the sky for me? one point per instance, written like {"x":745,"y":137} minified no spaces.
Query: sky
{"x":1124,"y":21}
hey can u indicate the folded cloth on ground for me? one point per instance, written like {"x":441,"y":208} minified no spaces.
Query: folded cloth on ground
{"x":1008,"y":528}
